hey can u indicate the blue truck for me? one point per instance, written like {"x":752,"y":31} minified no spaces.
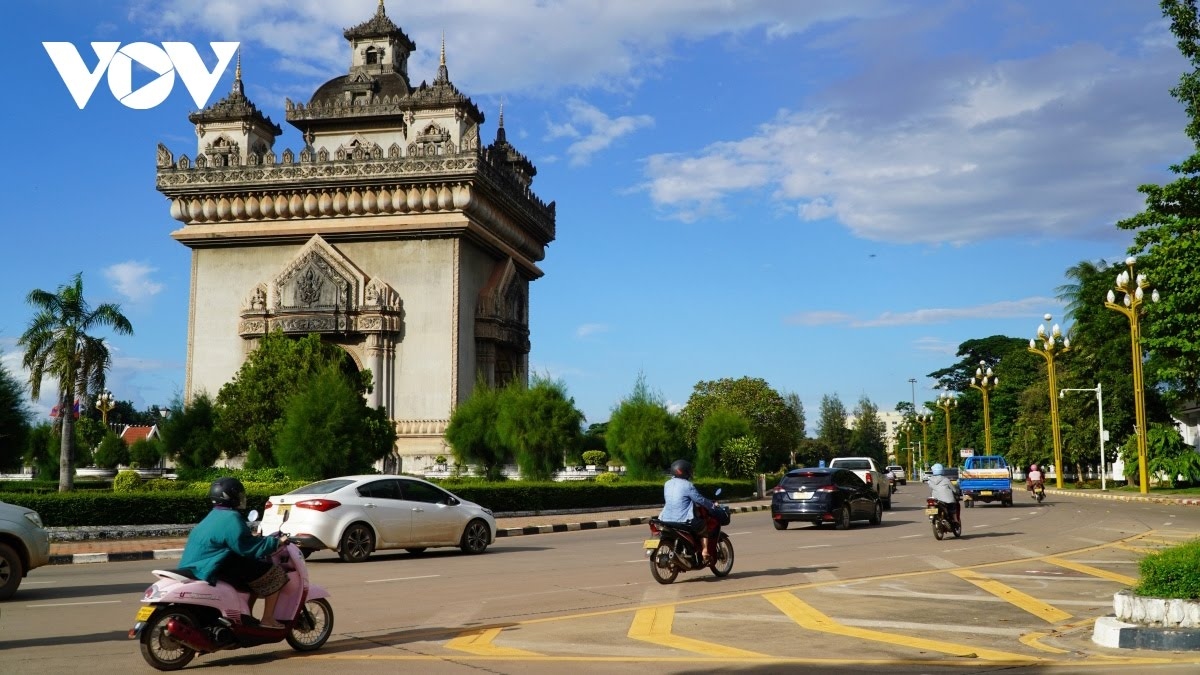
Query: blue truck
{"x":987,"y":478}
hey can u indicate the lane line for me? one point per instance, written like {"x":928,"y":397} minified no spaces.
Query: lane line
{"x":1046,"y":612}
{"x":380,"y":581}
{"x":479,"y":642}
{"x":75,"y":604}
{"x":814,"y":546}
{"x":806,"y":616}
{"x":653,"y":625}
{"x":1092,"y":571}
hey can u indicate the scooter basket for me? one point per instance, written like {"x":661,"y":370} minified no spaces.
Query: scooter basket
{"x":721,"y":514}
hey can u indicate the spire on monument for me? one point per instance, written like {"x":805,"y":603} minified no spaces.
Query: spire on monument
{"x":500,"y":137}
{"x":237,"y":74}
{"x":443,"y":74}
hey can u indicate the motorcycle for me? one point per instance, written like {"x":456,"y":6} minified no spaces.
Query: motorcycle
{"x":674,"y":548}
{"x":183,"y":616}
{"x":1039,"y":492}
{"x":941,"y":519}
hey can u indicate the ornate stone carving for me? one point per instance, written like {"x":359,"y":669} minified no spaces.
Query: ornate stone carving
{"x":165,"y":158}
{"x":257,"y":302}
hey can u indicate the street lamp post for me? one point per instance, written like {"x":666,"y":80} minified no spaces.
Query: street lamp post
{"x":924,"y":419}
{"x":1100,"y":413}
{"x":1050,"y":346}
{"x":985,"y":381}
{"x":1133,"y":288}
{"x":104,"y":403}
{"x":946,"y":401}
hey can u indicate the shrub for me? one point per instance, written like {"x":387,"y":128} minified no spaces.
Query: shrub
{"x":594,"y":456}
{"x":608,"y":478}
{"x":127,"y":481}
{"x":1171,"y":573}
{"x":739,"y":457}
{"x":717,"y":429}
{"x":162,"y":485}
{"x":111,"y":452}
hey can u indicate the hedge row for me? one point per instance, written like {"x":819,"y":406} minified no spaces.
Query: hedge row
{"x":91,"y":508}
{"x":1171,"y":573}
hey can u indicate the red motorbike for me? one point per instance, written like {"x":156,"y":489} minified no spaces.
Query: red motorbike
{"x":674,"y":548}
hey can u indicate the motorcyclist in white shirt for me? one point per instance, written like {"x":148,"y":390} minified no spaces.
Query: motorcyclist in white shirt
{"x":945,"y":491}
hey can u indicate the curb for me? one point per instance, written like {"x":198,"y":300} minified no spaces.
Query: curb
{"x":1111,"y":632}
{"x":1123,"y":498}
{"x":176,"y":553}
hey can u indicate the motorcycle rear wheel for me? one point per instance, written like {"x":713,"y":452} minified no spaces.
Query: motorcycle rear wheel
{"x":663,"y":574}
{"x":937,"y":530}
{"x":723,"y":565}
{"x":312,"y":627}
{"x":159,"y":649}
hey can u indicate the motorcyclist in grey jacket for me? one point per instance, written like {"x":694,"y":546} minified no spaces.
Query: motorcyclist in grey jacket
{"x":945,"y":491}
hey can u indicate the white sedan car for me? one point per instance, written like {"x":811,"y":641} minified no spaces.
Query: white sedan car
{"x":355,"y":515}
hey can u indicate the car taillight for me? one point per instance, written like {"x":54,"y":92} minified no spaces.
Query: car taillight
{"x":318,"y":504}
{"x":267,"y":505}
{"x":827,"y":488}
{"x":869,"y":479}
{"x":778,"y":488}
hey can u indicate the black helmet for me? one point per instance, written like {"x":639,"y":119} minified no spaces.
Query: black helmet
{"x":681,"y":468}
{"x":228,"y":492}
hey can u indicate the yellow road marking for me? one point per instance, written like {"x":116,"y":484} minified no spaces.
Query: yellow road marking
{"x":1034,"y":639}
{"x":1092,"y":571}
{"x":479,"y":642}
{"x":1135,"y":549}
{"x":809,"y":617}
{"x":654,"y":625}
{"x":1007,"y":593}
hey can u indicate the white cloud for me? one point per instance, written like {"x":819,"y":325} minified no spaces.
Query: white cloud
{"x":132,"y":280}
{"x":935,"y":345}
{"x":1031,"y":307}
{"x":589,"y":329}
{"x":598,"y":129}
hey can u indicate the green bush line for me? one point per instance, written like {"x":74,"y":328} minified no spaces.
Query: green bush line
{"x":1173,"y":573}
{"x":188,"y":504}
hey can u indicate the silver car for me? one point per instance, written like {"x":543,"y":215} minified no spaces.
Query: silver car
{"x":356,"y":515}
{"x":24,"y":545}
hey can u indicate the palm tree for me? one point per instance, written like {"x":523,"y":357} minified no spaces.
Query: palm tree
{"x":57,"y":344}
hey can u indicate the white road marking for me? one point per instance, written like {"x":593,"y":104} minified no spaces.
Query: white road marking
{"x":38,"y":583}
{"x":73,"y":604}
{"x":380,"y":581}
{"x":983,"y":525}
{"x":815,"y":546}
{"x":939,"y":563}
{"x":820,"y":576}
{"x":639,"y":560}
{"x":910,"y":536}
{"x":737,"y":533}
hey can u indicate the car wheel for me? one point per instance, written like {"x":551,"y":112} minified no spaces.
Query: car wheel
{"x":357,"y":543}
{"x":887,"y":503}
{"x":11,"y":571}
{"x":780,"y":524}
{"x":843,"y":521}
{"x":476,"y":537}
{"x":416,"y":550}
{"x":877,"y":516}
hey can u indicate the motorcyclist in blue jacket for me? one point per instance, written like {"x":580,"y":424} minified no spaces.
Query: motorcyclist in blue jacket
{"x":945,"y":491}
{"x":680,"y":498}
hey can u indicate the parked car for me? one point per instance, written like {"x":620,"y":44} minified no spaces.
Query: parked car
{"x":356,"y":515}
{"x":24,"y":545}
{"x":898,"y":473}
{"x":824,"y":495}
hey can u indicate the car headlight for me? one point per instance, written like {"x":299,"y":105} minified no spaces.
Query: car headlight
{"x":34,"y":518}
{"x":487,"y":511}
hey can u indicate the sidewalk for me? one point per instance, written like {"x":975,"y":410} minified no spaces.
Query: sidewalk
{"x":110,"y":547}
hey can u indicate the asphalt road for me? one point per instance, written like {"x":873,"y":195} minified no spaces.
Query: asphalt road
{"x":1017,"y":592}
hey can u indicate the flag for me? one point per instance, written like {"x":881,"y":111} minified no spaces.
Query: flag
{"x":54,"y":410}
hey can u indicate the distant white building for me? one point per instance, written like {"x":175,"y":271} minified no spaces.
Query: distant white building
{"x":891,"y":422}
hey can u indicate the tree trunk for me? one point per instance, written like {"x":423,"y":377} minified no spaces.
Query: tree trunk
{"x":66,"y":456}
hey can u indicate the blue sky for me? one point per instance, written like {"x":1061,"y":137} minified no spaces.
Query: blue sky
{"x":828,"y":195}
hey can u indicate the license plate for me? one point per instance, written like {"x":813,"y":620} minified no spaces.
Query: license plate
{"x":931,"y":512}
{"x":650,"y":543}
{"x":802,"y":495}
{"x":985,"y":493}
{"x":283,"y":508}
{"x":144,"y":613}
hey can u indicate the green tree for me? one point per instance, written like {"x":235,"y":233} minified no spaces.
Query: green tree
{"x":41,"y":451}
{"x":1167,"y":235}
{"x":541,"y":424}
{"x":58,"y":344}
{"x":145,"y":453}
{"x":833,"y":432}
{"x":14,"y":421}
{"x":250,"y":407}
{"x":792,"y":399}
{"x":473,"y":436}
{"x":720,"y":426}
{"x":739,"y":457}
{"x":189,"y":434}
{"x":326,"y":430}
{"x":775,"y":424}
{"x":111,"y":452}
{"x":1168,"y":457}
{"x":644,"y":434}
{"x":868,"y":438}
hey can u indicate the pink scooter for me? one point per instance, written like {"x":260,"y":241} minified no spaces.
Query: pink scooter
{"x":183,"y":616}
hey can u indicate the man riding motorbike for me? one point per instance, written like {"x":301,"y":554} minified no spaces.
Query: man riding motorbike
{"x":680,"y":497}
{"x":945,"y":491}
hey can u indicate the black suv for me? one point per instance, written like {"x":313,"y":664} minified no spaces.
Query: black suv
{"x":824,"y":495}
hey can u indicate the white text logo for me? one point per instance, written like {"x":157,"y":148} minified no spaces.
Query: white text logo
{"x":166,"y":61}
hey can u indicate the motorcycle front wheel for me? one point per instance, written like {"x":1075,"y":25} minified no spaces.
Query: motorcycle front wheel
{"x":723,"y":565}
{"x":662,"y":566}
{"x":160,"y":650}
{"x":937,"y":530}
{"x":312,"y":627}
{"x":956,"y":529}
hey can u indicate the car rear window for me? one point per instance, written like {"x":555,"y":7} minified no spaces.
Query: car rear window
{"x":322,"y":487}
{"x":805,"y":480}
{"x":852,"y":464}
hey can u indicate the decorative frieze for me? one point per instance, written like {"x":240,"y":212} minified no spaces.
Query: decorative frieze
{"x":421,"y":427}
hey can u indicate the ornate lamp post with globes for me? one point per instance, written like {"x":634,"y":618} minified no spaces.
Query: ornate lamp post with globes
{"x":105,"y":402}
{"x":985,"y":381}
{"x":924,"y":419}
{"x":1050,"y":347}
{"x":946,"y":401}
{"x":1133,"y":289}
